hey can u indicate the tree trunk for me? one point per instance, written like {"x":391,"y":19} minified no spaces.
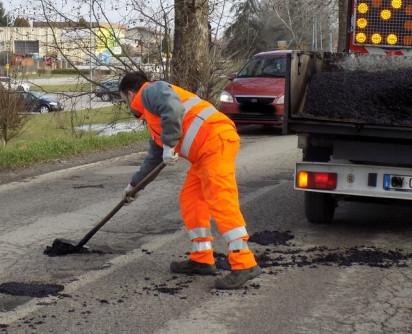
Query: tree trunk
{"x":343,"y":25}
{"x":191,"y":44}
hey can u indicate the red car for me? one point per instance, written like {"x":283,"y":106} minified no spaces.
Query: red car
{"x":256,"y":94}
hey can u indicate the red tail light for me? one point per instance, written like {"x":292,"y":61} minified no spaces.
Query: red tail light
{"x":317,"y":180}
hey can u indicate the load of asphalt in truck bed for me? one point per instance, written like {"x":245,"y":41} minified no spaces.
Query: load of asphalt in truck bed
{"x":378,"y":98}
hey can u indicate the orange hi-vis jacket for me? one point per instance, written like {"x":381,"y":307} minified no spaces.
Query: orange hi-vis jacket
{"x":197,"y":119}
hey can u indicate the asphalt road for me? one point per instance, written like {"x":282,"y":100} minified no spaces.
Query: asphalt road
{"x":126,"y":288}
{"x":80,"y":101}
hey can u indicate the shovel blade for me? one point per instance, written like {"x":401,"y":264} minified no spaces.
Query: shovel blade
{"x":61,"y":247}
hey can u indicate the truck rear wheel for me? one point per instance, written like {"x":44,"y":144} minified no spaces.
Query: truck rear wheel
{"x":319,"y":207}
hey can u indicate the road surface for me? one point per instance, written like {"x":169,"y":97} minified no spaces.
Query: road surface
{"x":313,"y":282}
{"x":80,"y":101}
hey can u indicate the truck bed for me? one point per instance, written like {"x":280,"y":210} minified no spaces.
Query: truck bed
{"x":347,"y":94}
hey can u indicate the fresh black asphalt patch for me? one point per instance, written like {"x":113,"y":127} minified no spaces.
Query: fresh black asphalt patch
{"x":62,"y":247}
{"x":275,"y":238}
{"x":36,"y":290}
{"x":313,"y":257}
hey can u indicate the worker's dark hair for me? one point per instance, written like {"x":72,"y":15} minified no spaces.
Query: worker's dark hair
{"x":132,"y":81}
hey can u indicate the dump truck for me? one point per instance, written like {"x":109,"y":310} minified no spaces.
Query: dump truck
{"x":352,"y":112}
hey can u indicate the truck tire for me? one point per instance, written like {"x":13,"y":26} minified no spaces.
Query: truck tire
{"x":319,"y":207}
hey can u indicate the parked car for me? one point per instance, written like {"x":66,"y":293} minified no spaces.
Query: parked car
{"x":13,"y":84}
{"x":256,"y":93}
{"x":108,"y":90}
{"x":40,"y":102}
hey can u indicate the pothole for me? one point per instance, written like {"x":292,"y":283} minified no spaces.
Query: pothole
{"x":275,"y":238}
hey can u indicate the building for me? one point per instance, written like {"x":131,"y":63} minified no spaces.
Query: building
{"x":144,"y":40}
{"x":55,"y":39}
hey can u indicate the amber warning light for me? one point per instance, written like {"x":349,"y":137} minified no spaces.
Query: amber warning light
{"x":385,"y":23}
{"x":316,"y":180}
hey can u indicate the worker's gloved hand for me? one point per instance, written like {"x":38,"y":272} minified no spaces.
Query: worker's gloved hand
{"x":128,"y":198}
{"x":170,"y":157}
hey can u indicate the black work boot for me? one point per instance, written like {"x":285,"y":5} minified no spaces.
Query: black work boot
{"x":189,"y":267}
{"x":237,"y":278}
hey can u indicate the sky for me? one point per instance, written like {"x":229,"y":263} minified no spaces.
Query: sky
{"x":120,"y":13}
{"x":19,"y":7}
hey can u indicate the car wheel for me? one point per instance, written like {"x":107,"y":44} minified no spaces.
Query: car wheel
{"x":106,"y":98}
{"x":44,"y":109}
{"x":319,"y":207}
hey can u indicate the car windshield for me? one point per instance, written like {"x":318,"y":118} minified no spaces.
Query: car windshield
{"x":264,"y":67}
{"x":110,"y":83}
{"x":44,"y":96}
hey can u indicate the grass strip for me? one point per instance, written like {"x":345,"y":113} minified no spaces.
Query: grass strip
{"x":83,"y":87}
{"x":44,"y":150}
{"x":62,"y":124}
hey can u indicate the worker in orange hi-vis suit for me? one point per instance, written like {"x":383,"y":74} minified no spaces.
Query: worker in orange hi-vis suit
{"x":182,"y":124}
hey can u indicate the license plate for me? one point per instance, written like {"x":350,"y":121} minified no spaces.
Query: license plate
{"x":397,"y":182}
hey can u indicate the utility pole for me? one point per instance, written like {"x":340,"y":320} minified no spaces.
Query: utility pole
{"x":8,"y":46}
{"x":90,"y":55}
{"x":343,"y":24}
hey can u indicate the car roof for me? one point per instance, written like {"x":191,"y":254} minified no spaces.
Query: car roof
{"x":273,"y":53}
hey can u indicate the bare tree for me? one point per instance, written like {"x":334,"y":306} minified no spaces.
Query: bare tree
{"x":158,"y":18}
{"x":343,"y":24}
{"x":310,"y":23}
{"x":12,"y":118}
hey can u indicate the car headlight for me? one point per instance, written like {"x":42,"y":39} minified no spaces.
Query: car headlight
{"x":280,"y":100}
{"x":54,"y":104}
{"x":226,"y":97}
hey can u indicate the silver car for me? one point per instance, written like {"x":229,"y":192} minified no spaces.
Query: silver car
{"x":14,"y":84}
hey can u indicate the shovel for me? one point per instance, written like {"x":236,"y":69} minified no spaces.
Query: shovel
{"x":63,"y":247}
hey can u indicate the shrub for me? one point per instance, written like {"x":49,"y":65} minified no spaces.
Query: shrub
{"x":12,"y":116}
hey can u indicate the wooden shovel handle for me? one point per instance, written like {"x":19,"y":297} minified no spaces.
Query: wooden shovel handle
{"x":143,"y":183}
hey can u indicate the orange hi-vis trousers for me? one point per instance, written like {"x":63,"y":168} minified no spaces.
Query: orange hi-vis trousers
{"x":210,"y":190}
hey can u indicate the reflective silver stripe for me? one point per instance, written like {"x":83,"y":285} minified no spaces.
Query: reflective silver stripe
{"x":238,"y":244}
{"x":234,"y":234}
{"x":200,"y":232}
{"x":190,"y":103}
{"x":194,"y":129}
{"x":201,"y":246}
